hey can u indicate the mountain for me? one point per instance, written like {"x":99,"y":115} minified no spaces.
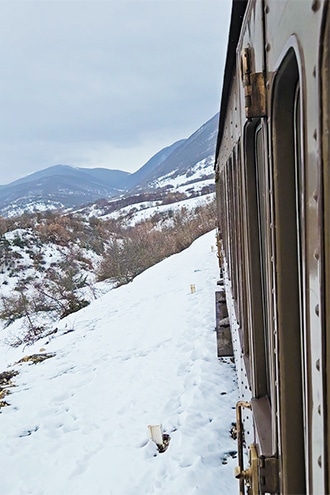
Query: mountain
{"x":152,"y":165}
{"x":106,"y":177}
{"x":199,"y":146}
{"x":65,"y":187}
{"x":60,"y":186}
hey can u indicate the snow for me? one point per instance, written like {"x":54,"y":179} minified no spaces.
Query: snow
{"x":13,"y":210}
{"x":22,"y":266}
{"x":133,"y":214}
{"x":201,"y":169}
{"x":192,"y":183}
{"x":144,"y":353}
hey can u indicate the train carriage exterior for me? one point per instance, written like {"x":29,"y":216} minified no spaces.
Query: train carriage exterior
{"x":273,"y":200}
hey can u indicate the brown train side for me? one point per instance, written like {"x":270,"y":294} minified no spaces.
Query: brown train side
{"x":273,"y":200}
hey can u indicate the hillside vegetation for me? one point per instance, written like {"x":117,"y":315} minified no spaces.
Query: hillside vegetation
{"x":52,"y":264}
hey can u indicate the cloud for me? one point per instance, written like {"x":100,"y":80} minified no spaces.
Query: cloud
{"x":111,"y":75}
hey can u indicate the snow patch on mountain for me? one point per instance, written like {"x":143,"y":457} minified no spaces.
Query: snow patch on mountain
{"x":203,"y":168}
{"x":16,"y":209}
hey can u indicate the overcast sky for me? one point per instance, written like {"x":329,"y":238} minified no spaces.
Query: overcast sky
{"x":105,"y":83}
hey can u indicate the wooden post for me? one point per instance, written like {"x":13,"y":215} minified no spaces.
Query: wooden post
{"x":224,"y":342}
{"x":156,"y":434}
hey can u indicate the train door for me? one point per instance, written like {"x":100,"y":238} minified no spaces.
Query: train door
{"x":260,"y":306}
{"x":288,"y":163}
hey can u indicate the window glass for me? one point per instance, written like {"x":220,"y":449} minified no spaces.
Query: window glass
{"x":262,"y":226}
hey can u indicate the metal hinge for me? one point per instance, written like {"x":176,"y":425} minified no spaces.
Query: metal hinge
{"x":268,"y":474}
{"x":254,"y":87}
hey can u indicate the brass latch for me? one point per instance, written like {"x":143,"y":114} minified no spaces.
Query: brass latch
{"x":243,"y":475}
{"x":250,"y":475}
{"x":254,"y":87}
{"x":262,"y":474}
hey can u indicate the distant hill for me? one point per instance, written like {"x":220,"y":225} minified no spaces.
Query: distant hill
{"x":148,"y":169}
{"x":199,"y":146}
{"x":60,"y":186}
{"x":97,"y":175}
{"x":65,"y":187}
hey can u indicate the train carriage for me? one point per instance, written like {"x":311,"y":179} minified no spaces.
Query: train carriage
{"x":273,"y":202}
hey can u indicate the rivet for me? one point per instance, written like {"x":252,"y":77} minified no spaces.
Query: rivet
{"x":316,"y":254}
{"x":315,"y":196}
{"x":268,"y":47}
{"x":319,"y":460}
{"x":267,"y":9}
{"x":317,"y":310}
{"x":314,"y":71}
{"x":319,"y":409}
{"x":315,"y":134}
{"x":317,"y":364}
{"x":315,"y":5}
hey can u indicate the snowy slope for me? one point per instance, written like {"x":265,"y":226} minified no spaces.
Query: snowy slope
{"x":144,"y":353}
{"x":130,"y":215}
{"x":202,"y":174}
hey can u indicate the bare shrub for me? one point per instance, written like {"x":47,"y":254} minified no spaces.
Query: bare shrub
{"x":142,"y":246}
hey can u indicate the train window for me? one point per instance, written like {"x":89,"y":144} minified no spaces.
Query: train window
{"x":287,"y":142}
{"x":232,"y":229}
{"x":235,"y":283}
{"x":241,"y":284}
{"x":254,"y":172}
{"x":298,"y":158}
{"x":261,"y":187}
{"x":228,"y":218}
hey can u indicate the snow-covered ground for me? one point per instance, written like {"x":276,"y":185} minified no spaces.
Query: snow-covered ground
{"x":142,"y":354}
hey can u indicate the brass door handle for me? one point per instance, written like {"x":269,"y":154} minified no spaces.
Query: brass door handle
{"x":240,"y":473}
